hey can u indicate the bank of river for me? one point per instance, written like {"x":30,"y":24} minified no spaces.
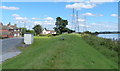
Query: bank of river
{"x":53,"y":53}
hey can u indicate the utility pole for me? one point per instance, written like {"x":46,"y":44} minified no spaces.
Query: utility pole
{"x":24,"y":26}
{"x":78,"y":28}
{"x":85,"y":28}
{"x":73,"y":16}
{"x":77,"y":22}
{"x":73,"y":19}
{"x":29,"y":27}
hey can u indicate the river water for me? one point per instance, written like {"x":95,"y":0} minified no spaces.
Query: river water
{"x":110,"y":36}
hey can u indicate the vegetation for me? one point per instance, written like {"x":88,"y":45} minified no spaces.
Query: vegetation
{"x":53,"y":53}
{"x":67,"y":30}
{"x":0,"y":67}
{"x":30,"y":31}
{"x":46,"y":35}
{"x":87,"y":32}
{"x":38,"y":29}
{"x":107,"y":47}
{"x":24,"y":31}
{"x":61,"y":26}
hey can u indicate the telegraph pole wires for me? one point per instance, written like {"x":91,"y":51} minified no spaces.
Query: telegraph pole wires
{"x":73,"y":19}
{"x":73,"y":16}
{"x":24,"y":22}
{"x":85,"y":27}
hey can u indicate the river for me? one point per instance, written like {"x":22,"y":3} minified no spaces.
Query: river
{"x":110,"y":36}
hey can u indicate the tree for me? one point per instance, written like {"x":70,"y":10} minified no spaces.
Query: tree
{"x":30,"y":31}
{"x":23,"y":31}
{"x":87,"y":32}
{"x":96,"y":33}
{"x":38,"y":29}
{"x":60,"y":25}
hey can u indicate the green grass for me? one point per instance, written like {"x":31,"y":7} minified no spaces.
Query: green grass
{"x":107,"y":47}
{"x":53,"y":53}
{"x":0,"y":67}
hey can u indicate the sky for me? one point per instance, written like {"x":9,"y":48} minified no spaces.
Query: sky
{"x":94,"y":16}
{"x":59,"y":0}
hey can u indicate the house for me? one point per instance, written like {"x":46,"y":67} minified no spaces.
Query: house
{"x":45,"y":31}
{"x":64,"y":32}
{"x":9,"y":31}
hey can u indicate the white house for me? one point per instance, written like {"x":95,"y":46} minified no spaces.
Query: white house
{"x":45,"y":31}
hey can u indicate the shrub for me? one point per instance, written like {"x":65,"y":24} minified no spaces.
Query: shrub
{"x":87,"y":32}
{"x":46,"y":35}
{"x":49,"y":35}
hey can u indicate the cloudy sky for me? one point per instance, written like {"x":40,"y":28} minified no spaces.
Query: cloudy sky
{"x":100,"y":16}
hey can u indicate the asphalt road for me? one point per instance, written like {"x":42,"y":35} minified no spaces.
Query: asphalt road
{"x":8,"y":47}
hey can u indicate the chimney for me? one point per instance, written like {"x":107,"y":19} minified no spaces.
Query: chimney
{"x":8,"y":24}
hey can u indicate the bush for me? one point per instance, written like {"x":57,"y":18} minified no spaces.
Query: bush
{"x":40,"y":35}
{"x":49,"y":35}
{"x":87,"y":32}
{"x":46,"y":35}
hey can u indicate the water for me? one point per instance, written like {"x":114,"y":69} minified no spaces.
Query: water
{"x":110,"y":36}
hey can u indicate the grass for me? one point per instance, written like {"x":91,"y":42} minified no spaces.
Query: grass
{"x":0,"y":67}
{"x":53,"y":53}
{"x":107,"y":47}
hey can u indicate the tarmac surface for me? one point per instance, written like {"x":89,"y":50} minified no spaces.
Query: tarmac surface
{"x":8,"y":48}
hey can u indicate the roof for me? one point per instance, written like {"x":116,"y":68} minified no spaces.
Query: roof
{"x":13,"y":27}
{"x":52,"y":31}
{"x":4,"y":27}
{"x":49,"y":30}
{"x":8,"y":27}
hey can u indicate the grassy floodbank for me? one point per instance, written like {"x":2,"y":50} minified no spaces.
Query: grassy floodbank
{"x":107,"y":47}
{"x":0,"y":67}
{"x":53,"y":53}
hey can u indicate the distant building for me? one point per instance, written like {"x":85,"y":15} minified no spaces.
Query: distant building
{"x":64,"y":32}
{"x":45,"y":31}
{"x":9,"y":31}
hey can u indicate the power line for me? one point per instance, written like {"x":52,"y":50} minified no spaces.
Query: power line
{"x":73,"y":19}
{"x":85,"y":27}
{"x":73,"y":16}
{"x":77,"y":22}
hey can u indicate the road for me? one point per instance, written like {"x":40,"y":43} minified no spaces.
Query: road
{"x":8,"y":48}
